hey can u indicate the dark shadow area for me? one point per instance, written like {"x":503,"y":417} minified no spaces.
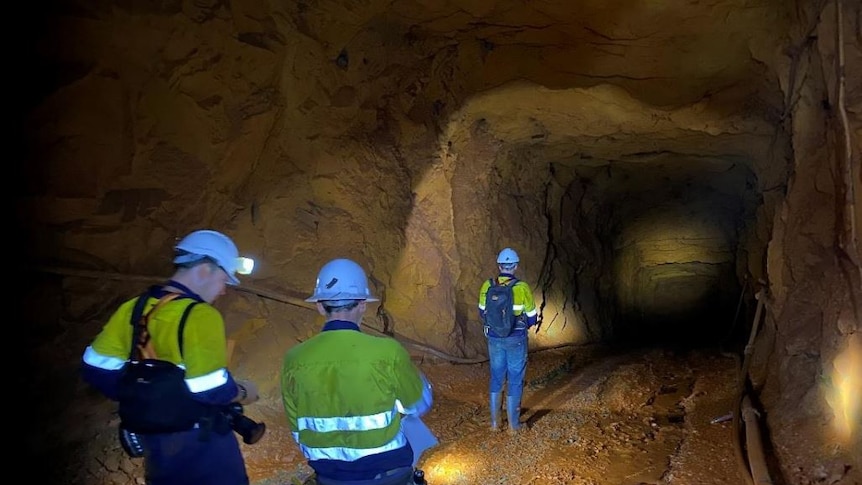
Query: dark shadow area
{"x":701,"y":323}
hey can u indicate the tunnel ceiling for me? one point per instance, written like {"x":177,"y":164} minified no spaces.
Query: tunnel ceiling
{"x":665,"y":54}
{"x":603,"y":80}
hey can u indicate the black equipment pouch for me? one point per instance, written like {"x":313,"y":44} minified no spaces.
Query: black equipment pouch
{"x":153,"y":396}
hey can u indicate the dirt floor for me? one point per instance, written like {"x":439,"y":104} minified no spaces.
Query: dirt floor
{"x":593,"y":417}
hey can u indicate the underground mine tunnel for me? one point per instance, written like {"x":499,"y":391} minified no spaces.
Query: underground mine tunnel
{"x":681,"y":181}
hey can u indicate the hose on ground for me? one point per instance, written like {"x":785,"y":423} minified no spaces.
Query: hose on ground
{"x":752,"y":466}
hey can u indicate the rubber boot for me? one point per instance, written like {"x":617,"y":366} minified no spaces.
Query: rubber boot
{"x":513,"y":411}
{"x":496,"y":401}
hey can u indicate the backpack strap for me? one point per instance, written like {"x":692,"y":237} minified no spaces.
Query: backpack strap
{"x":137,"y":313}
{"x":183,"y":324}
{"x":143,"y":346}
{"x":519,"y":319}
{"x":139,"y":320}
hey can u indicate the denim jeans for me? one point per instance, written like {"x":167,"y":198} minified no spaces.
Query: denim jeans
{"x":508,"y":358}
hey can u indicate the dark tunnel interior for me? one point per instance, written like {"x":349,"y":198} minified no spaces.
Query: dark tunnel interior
{"x":661,"y":247}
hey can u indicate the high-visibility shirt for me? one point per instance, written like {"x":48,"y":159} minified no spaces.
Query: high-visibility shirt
{"x":204,"y":353}
{"x":344,"y":393}
{"x":522,"y":302}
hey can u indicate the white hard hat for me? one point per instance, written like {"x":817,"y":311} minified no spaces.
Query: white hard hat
{"x":508,"y":256}
{"x":341,"y":279}
{"x":217,"y":247}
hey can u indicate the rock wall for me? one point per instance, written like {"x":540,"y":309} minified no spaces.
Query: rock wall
{"x":810,"y":390}
{"x":419,"y":138}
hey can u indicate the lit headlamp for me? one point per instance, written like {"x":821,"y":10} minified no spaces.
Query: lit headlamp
{"x":244,"y":265}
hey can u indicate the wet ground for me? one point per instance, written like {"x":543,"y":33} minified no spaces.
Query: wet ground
{"x":593,"y":417}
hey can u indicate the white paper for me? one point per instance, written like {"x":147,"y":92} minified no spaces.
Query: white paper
{"x":418,"y":435}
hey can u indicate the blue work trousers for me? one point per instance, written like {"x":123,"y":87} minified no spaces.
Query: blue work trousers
{"x":508,"y":358}
{"x":397,"y":476}
{"x":190,"y":458}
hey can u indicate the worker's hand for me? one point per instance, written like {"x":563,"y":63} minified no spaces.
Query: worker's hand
{"x":248,"y":392}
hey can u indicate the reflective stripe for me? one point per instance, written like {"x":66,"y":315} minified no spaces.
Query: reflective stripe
{"x":482,"y":307}
{"x":532,"y":312}
{"x":349,"y":423}
{"x":95,"y":359}
{"x":207,"y":381}
{"x":349,"y":454}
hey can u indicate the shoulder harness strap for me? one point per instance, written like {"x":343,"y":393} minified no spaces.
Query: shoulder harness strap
{"x":140,"y":335}
{"x":183,"y":324}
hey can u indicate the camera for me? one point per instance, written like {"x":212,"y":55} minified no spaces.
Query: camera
{"x":250,"y":430}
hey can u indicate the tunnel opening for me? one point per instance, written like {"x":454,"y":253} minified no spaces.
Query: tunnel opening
{"x":666,"y":250}
{"x":636,"y":222}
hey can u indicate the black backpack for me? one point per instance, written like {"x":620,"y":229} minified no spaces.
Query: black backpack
{"x":153,"y":396}
{"x":499,"y":315}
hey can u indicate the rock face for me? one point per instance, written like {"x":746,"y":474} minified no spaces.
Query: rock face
{"x":653,"y":163}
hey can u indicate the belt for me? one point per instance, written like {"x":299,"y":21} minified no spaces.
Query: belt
{"x":396,"y":476}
